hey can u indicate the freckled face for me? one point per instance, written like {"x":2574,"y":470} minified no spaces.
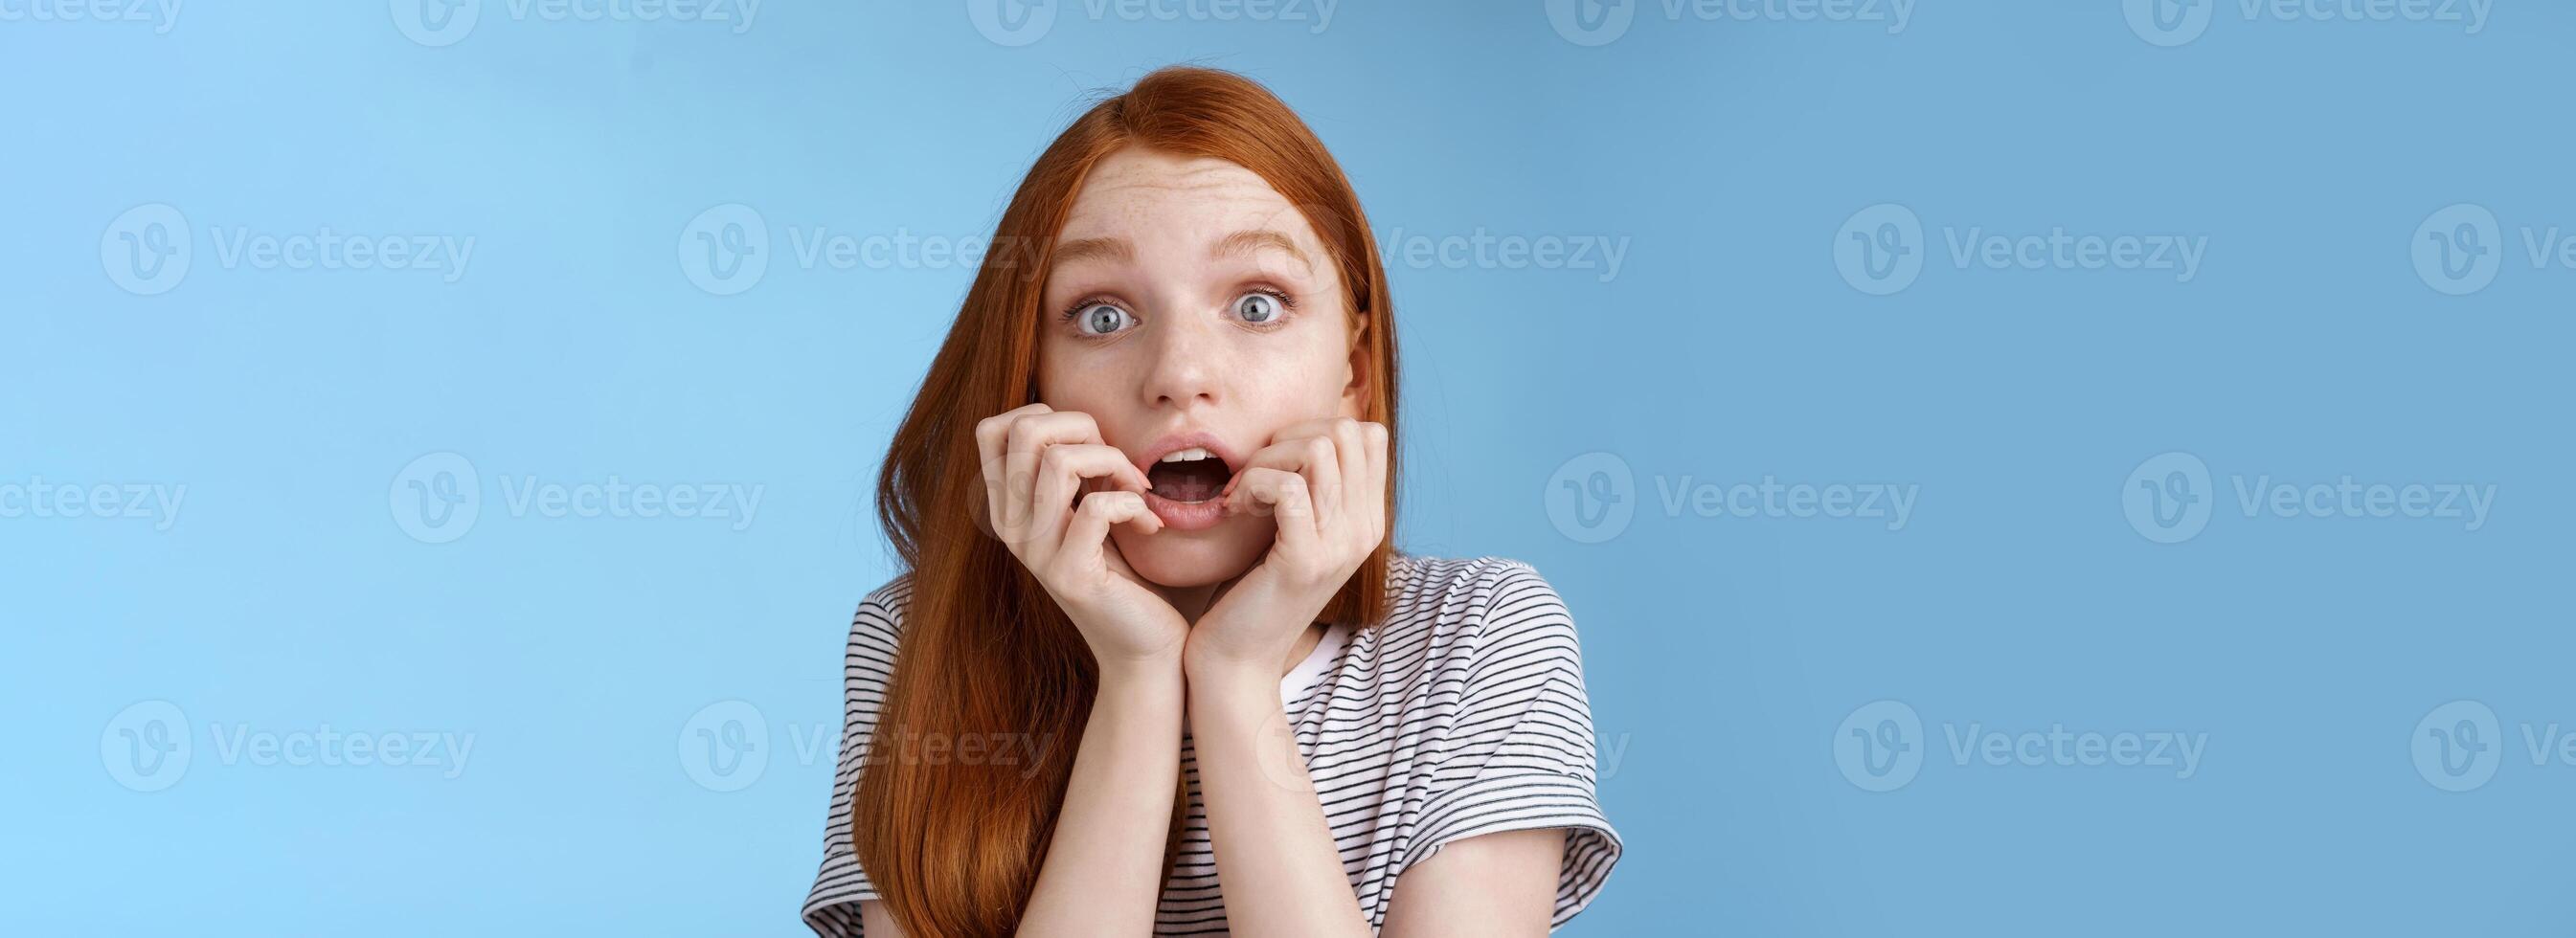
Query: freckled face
{"x":1186,"y":295}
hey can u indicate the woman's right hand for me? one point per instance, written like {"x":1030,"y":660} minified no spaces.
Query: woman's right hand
{"x":1036,"y":460}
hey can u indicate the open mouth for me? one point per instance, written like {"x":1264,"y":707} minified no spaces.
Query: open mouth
{"x":1189,"y":476}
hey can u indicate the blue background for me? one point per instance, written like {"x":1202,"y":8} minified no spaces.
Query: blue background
{"x":1723,"y":653}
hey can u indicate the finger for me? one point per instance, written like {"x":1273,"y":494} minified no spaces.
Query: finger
{"x":992,"y":435}
{"x":1306,"y":455}
{"x":1026,"y":437}
{"x":1352,"y":450}
{"x":1349,"y":455}
{"x":1377,"y":441}
{"x":1282,"y":495}
{"x":1313,"y":459}
{"x":1086,"y":539}
{"x":1062,"y":467}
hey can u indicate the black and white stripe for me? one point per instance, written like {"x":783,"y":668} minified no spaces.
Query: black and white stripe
{"x":1462,"y":714}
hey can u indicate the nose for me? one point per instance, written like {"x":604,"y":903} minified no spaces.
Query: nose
{"x":1184,"y":372}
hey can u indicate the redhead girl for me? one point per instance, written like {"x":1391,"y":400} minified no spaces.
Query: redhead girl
{"x":1152,"y":666}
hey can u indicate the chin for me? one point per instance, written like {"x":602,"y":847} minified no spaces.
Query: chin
{"x":1181,"y":559}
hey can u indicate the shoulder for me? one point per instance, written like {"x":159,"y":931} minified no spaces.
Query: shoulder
{"x":1462,"y":610}
{"x":878,"y":624}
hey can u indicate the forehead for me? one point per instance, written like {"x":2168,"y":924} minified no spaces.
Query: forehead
{"x":1152,"y":197}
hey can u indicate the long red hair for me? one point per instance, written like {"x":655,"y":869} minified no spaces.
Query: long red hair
{"x":955,"y":849}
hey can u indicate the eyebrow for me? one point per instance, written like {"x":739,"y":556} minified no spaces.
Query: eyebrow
{"x":1240,"y":242}
{"x":1248,"y":241}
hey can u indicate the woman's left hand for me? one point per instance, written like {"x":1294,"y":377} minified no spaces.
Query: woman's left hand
{"x":1324,"y":483}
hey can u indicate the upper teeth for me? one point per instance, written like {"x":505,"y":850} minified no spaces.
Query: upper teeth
{"x":1185,"y":455}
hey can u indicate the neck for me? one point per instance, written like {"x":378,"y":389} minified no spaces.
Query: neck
{"x":1192,"y":601}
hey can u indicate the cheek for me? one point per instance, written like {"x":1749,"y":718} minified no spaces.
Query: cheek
{"x":1299,"y":383}
{"x":1070,"y":379}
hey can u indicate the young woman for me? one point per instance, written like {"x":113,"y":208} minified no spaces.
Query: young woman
{"x":1150,"y":637}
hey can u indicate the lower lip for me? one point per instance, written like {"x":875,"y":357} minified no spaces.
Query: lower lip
{"x":1186,"y":516}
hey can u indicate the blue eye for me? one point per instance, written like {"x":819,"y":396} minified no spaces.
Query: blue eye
{"x":1257,"y":308}
{"x":1099,"y":319}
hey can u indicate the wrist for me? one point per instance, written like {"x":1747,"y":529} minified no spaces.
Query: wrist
{"x":1212,"y":669}
{"x":1145,"y":672}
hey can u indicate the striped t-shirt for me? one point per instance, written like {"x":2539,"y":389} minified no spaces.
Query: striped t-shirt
{"x":1462,"y":714}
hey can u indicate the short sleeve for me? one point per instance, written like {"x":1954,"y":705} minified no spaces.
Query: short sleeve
{"x":1519,"y":754}
{"x":832,"y":907}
